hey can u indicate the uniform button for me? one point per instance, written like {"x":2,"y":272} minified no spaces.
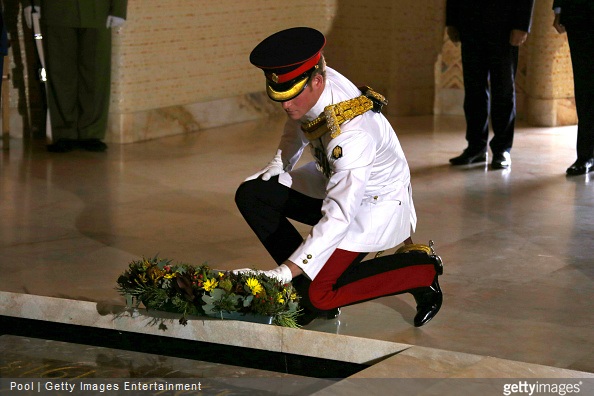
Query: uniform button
{"x":309,"y":256}
{"x":305,"y":261}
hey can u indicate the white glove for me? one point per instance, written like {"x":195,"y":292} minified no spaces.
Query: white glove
{"x":282,"y":273}
{"x":114,"y":21}
{"x":28,"y":11}
{"x":274,"y":167}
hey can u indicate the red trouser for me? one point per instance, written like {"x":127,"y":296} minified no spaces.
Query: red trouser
{"x":326,"y":291}
{"x":344,"y":279}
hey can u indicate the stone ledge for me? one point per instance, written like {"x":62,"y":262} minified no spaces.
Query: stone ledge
{"x":107,"y":315}
{"x":387,"y":360}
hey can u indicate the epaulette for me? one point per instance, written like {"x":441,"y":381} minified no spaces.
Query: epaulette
{"x":336,"y":114}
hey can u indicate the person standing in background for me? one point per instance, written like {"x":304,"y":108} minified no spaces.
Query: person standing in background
{"x":3,"y":42}
{"x":77,"y":46}
{"x":576,"y":17}
{"x":490,"y":32}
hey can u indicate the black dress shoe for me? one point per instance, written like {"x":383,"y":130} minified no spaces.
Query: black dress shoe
{"x":501,"y":160}
{"x":429,"y":300}
{"x":62,"y":146}
{"x":94,"y":145}
{"x":468,"y":157}
{"x":308,"y":315}
{"x":333,"y":313}
{"x":581,"y":167}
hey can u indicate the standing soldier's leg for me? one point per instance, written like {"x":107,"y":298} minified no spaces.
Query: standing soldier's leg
{"x":60,"y":47}
{"x":95,"y":87}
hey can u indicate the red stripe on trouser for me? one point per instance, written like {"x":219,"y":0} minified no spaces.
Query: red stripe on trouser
{"x":399,"y":280}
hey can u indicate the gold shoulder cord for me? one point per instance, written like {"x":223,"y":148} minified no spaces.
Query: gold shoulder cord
{"x":336,"y":114}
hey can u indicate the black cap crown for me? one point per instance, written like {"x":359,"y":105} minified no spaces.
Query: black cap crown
{"x":288,"y":59}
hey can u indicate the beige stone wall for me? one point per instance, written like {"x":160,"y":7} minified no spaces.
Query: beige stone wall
{"x":391,"y":46}
{"x":173,"y":52}
{"x":417,"y":39}
{"x":182,"y":65}
{"x":549,"y":80}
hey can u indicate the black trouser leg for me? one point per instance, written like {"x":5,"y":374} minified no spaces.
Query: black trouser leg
{"x":581,"y":43}
{"x":266,"y":206}
{"x":489,"y":66}
{"x":503,"y":65}
{"x":476,"y":95}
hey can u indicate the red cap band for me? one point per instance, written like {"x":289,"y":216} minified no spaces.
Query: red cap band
{"x":297,"y":72}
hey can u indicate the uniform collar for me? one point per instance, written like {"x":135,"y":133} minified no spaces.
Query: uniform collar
{"x":325,"y":99}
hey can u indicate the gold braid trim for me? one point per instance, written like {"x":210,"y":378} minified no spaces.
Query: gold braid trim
{"x":415,"y":247}
{"x":334,"y":115}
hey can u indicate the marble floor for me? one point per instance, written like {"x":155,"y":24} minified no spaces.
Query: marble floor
{"x":517,"y":244}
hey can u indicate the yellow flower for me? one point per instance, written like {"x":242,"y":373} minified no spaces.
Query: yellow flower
{"x":221,"y":274}
{"x":254,"y":285}
{"x":210,"y":284}
{"x":280,"y":299}
{"x":154,"y":274}
{"x":169,"y":276}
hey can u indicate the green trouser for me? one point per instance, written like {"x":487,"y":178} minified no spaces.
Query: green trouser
{"x":78,"y":62}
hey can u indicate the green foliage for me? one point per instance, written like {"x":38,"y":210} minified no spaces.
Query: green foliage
{"x":188,"y":290}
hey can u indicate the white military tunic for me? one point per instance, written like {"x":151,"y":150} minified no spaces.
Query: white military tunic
{"x":367,"y":198}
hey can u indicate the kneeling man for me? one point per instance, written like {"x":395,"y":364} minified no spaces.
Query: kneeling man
{"x":356,"y":195}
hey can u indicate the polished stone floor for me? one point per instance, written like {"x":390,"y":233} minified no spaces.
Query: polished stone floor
{"x":53,"y":365}
{"x":517,"y":244}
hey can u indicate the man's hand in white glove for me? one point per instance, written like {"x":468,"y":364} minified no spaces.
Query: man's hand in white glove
{"x":114,"y":21}
{"x":282,"y":273}
{"x":274,"y":167}
{"x":28,"y":13}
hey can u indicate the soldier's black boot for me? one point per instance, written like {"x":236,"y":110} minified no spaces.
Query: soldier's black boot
{"x":429,"y":300}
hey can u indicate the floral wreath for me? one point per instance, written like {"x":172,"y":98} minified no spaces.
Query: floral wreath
{"x":202,"y":291}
